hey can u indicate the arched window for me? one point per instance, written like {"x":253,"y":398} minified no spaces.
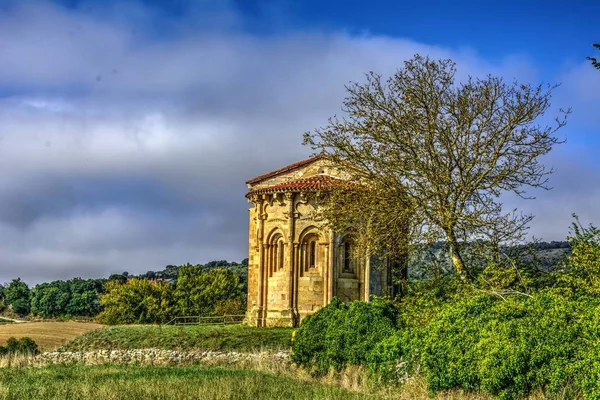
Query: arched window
{"x":348,"y":257}
{"x":275,"y":254}
{"x":309,"y":256}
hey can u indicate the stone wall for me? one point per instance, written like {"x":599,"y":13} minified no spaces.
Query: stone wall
{"x":156,"y":357}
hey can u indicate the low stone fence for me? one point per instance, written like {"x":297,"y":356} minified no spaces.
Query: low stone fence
{"x":159,"y":357}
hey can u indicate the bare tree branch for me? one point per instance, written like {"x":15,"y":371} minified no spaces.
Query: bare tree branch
{"x":432,"y":157}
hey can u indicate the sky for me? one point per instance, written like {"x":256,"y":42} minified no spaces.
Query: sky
{"x":128,"y":129}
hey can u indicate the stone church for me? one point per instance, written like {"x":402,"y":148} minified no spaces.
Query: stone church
{"x":296,"y":264}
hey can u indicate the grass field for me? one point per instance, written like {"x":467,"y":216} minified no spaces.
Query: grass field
{"x":219,"y":337}
{"x":48,"y":335}
{"x":195,"y":382}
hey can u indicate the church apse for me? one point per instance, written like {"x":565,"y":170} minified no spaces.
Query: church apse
{"x":296,"y":264}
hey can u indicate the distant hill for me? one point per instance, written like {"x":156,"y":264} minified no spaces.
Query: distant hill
{"x":171,"y":271}
{"x":547,"y":256}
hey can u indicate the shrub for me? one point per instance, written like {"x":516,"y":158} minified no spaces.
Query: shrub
{"x":24,"y":345}
{"x":340,"y":334}
{"x":507,"y":348}
{"x":138,"y":301}
{"x":582,"y":273}
{"x":234,"y":306}
{"x":199,"y":292}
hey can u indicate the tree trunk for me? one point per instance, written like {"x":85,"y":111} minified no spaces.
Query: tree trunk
{"x":457,"y":261}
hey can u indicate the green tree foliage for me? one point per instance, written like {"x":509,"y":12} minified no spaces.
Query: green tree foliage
{"x":509,"y":347}
{"x":118,"y":277}
{"x":137,"y":301}
{"x":171,"y":272}
{"x":458,"y":337}
{"x":201,"y":292}
{"x":75,"y":297}
{"x":582,"y":273}
{"x":2,"y":298}
{"x":197,"y":291}
{"x":17,"y":296}
{"x":434,"y":156}
{"x":594,"y":60}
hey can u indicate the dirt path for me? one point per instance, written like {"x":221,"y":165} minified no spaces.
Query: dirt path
{"x":16,"y":321}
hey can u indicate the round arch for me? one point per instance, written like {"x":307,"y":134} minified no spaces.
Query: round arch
{"x":275,"y":251}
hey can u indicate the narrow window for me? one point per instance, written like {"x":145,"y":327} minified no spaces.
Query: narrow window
{"x":347,"y":257}
{"x":312,"y":254}
{"x":280,"y":255}
{"x":273,"y":249}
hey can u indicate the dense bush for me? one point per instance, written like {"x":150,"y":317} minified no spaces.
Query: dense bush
{"x":340,"y":334}
{"x":202,"y":292}
{"x":508,"y":348}
{"x":507,"y":333}
{"x":138,"y":301}
{"x":582,"y":272}
{"x":24,"y":345}
{"x":504,"y":347}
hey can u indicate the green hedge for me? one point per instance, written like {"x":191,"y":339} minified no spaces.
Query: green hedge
{"x":340,"y":334}
{"x":505,"y":347}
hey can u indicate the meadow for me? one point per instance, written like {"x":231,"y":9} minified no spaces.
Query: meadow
{"x":206,"y":337}
{"x":48,"y":335}
{"x":190,"y":382}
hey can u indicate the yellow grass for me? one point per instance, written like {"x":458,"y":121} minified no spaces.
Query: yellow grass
{"x":48,"y":335}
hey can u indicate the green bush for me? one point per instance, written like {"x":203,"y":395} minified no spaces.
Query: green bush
{"x":138,"y":301}
{"x":341,"y":334}
{"x":24,"y":345}
{"x":507,"y":348}
{"x":204,"y":292}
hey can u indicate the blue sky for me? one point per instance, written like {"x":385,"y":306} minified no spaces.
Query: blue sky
{"x":128,"y":129}
{"x":558,"y":32}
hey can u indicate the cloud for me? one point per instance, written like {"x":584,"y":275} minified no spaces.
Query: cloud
{"x":128,"y":150}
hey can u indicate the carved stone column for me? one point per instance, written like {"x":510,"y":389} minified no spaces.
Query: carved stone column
{"x":292,"y":283}
{"x":332,"y":275}
{"x":326,"y":274}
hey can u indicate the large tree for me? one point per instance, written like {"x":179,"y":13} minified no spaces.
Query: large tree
{"x":17,"y":296}
{"x":430,"y":157}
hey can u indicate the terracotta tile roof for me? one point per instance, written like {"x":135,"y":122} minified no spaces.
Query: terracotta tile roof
{"x":287,"y":168}
{"x":309,"y":184}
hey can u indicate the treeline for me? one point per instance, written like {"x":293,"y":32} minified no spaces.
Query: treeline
{"x":88,"y":298}
{"x":171,"y":272}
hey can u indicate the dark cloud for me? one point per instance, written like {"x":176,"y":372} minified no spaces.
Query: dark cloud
{"x":128,"y":150}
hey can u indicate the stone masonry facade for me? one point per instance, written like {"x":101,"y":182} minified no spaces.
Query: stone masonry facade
{"x":296,"y":264}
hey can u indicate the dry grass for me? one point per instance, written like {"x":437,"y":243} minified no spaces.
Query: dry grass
{"x":48,"y":335}
{"x":354,"y":381}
